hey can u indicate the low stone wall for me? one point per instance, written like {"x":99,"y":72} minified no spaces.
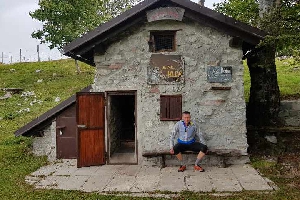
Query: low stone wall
{"x":290,"y":113}
{"x":46,"y":145}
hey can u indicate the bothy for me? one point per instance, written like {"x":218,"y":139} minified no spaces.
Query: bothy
{"x":153,"y":62}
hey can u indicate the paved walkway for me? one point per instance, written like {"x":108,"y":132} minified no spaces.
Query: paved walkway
{"x":126,"y":178}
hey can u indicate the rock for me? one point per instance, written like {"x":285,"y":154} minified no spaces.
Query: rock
{"x":40,"y":81}
{"x":38,"y":71}
{"x":57,"y":99}
{"x":54,"y":74}
{"x":27,"y":94}
{"x":24,"y":110}
{"x":35,"y":101}
{"x":12,"y":70}
{"x":6,"y":96}
{"x":271,"y":139}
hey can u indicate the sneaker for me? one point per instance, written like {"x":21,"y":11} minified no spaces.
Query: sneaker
{"x":182,"y":168}
{"x":198,"y":168}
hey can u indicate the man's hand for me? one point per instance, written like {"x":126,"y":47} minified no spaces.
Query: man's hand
{"x":172,"y":151}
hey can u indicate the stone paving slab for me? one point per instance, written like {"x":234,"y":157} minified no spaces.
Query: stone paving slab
{"x":120,"y":184}
{"x":138,"y":179}
{"x":96,"y":183}
{"x":73,"y":183}
{"x":198,"y":182}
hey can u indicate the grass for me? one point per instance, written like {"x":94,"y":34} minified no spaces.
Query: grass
{"x":288,"y":75}
{"x":59,"y":79}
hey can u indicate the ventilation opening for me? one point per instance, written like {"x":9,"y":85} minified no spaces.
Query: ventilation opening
{"x":162,"y":41}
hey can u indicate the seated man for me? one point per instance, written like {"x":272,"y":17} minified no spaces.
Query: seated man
{"x":189,"y":139}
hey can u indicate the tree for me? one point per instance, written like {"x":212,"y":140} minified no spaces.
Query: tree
{"x":65,"y":20}
{"x":280,"y":19}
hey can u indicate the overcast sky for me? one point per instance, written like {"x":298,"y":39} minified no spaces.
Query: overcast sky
{"x":16,"y":27}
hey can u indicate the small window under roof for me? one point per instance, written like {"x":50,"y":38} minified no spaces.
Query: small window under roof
{"x":162,"y":41}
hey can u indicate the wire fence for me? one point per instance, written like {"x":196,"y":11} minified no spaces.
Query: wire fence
{"x":30,"y":55}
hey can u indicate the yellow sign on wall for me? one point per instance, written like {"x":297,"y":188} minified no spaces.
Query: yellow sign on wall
{"x":166,"y":69}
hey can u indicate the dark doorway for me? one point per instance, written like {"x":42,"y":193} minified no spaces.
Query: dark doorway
{"x":121,"y":128}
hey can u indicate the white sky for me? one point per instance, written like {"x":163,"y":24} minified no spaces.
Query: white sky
{"x":16,"y":27}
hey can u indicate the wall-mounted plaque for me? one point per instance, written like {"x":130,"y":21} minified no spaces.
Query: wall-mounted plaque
{"x":165,"y":13}
{"x":166,"y":69}
{"x":219,"y":74}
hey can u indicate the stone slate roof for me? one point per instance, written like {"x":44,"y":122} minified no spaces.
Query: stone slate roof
{"x":46,"y":119}
{"x":83,"y":48}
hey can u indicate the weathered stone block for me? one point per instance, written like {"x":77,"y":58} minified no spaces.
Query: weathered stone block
{"x":116,"y":66}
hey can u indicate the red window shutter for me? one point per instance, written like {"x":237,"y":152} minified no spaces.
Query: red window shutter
{"x":164,"y":104}
{"x":170,"y":107}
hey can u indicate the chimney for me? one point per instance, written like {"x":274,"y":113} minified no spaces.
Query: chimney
{"x":201,"y":2}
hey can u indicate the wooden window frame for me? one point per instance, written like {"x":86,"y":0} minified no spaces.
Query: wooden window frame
{"x":168,"y":108}
{"x":151,"y":42}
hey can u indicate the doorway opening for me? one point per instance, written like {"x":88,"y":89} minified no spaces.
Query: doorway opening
{"x":122,"y":128}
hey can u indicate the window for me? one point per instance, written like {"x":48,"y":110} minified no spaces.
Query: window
{"x":170,"y":107}
{"x":162,"y":41}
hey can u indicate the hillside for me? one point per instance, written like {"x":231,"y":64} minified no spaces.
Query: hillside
{"x":43,"y":83}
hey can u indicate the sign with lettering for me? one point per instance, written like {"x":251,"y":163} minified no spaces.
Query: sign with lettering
{"x":165,"y":13}
{"x":166,"y":69}
{"x":219,"y":74}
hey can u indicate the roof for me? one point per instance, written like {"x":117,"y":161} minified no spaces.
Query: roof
{"x":83,"y":48}
{"x":45,"y":119}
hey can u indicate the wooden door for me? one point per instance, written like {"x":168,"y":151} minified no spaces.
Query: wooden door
{"x":66,"y":137}
{"x":90,"y":124}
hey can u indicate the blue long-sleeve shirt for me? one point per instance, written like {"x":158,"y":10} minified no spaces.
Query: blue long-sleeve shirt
{"x":186,"y":134}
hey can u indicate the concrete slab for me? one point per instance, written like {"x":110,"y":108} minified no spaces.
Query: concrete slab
{"x":146,"y":183}
{"x":51,"y":182}
{"x":198,"y":181}
{"x":32,"y":180}
{"x":250,"y":179}
{"x":120,"y":184}
{"x":147,"y":179}
{"x":128,"y":170}
{"x":65,"y":171}
{"x":171,"y":180}
{"x":86,"y":171}
{"x":96,"y":183}
{"x":72,"y":183}
{"x":47,"y":170}
{"x":225,"y":181}
{"x":140,"y":179}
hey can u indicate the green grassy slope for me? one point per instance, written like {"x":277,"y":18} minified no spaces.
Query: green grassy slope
{"x":288,"y":75}
{"x":59,"y":79}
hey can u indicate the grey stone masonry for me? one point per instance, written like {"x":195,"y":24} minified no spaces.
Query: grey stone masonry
{"x":220,"y":114}
{"x":46,"y":145}
{"x":290,"y":113}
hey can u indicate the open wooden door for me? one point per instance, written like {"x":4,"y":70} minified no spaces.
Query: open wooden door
{"x":91,"y":134}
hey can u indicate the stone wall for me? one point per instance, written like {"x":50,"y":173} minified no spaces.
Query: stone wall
{"x":115,"y":125}
{"x":46,"y":145}
{"x":290,"y":113}
{"x":220,"y":114}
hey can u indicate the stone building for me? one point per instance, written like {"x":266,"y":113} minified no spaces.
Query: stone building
{"x":154,"y":61}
